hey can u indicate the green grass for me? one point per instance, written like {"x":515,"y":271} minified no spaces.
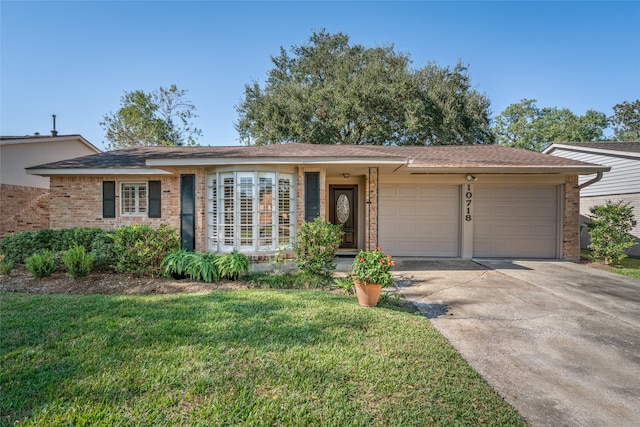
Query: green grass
{"x":629,"y":267}
{"x":256,"y":357}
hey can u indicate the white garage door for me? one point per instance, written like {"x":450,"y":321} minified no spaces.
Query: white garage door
{"x":419,"y":220}
{"x":518,"y":222}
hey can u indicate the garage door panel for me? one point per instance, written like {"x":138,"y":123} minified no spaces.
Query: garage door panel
{"x":423,"y":222}
{"x":515,"y":222}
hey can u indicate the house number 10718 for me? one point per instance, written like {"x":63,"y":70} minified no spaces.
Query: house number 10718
{"x":468,"y":197}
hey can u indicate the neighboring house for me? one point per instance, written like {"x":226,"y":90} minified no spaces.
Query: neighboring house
{"x":24,"y":198}
{"x":621,"y":183}
{"x":440,"y":201}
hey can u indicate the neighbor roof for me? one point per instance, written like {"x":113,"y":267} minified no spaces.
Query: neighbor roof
{"x":625,"y":148}
{"x":29,"y":139}
{"x":432,"y":159}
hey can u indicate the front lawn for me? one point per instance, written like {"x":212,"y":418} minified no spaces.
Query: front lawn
{"x":248,"y":357}
{"x":629,"y":267}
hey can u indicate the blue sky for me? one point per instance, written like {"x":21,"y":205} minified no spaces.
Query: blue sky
{"x":76,"y":59}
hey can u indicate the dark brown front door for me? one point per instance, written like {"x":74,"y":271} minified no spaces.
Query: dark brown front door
{"x":343,"y":202}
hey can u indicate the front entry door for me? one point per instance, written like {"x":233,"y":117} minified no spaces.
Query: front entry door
{"x":343,"y":203}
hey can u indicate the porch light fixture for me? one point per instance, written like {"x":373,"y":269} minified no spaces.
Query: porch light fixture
{"x":346,"y":175}
{"x":471,"y":178}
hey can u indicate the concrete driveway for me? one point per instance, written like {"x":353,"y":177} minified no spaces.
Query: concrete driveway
{"x":559,"y":341}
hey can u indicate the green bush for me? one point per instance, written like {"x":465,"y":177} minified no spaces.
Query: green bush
{"x":140,"y":249}
{"x":77,"y":261}
{"x":202,"y":266}
{"x":5,"y":266}
{"x":316,"y":245}
{"x":19,"y":246}
{"x":102,"y":249}
{"x":232,"y":265}
{"x":609,"y":231}
{"x":42,"y":264}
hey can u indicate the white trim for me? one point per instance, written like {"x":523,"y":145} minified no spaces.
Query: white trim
{"x":582,"y":148}
{"x":566,"y":170}
{"x":99,"y":171}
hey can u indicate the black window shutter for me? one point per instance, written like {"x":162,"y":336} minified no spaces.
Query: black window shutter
{"x":155,"y":193}
{"x":108,"y":199}
{"x":311,"y":195}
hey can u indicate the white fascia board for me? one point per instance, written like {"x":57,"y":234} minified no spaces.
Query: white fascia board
{"x":580,"y":148}
{"x":571,"y":170}
{"x":218,"y":161}
{"x":101,"y":171}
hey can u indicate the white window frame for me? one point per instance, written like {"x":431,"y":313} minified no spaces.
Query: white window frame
{"x":228,"y":231}
{"x":137,"y":209}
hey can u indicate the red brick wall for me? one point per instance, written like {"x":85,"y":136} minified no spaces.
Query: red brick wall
{"x":571,"y":220}
{"x":77,"y":202}
{"x":23,"y":208}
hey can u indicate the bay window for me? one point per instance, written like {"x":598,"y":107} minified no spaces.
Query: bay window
{"x":250,"y":211}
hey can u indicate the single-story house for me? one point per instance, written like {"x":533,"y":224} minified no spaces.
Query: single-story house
{"x":622,"y":183}
{"x":24,"y":198}
{"x":437,"y":201}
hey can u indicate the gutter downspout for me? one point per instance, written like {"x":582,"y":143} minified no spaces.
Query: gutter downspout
{"x":597,"y":178}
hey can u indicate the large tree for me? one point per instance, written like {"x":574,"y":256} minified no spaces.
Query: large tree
{"x":161,"y":117}
{"x":329,"y":91}
{"x":626,"y":121}
{"x":524,"y":125}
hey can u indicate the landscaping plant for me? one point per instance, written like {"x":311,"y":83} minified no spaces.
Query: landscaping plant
{"x":42,"y":264}
{"x":176,"y":263}
{"x":316,"y":245}
{"x":232,"y":265}
{"x":77,"y":261}
{"x":5,"y":266}
{"x":372,"y":267}
{"x":202,"y":266}
{"x":140,"y":249}
{"x":609,"y":231}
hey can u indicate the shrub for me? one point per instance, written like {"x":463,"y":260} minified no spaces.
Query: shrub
{"x":77,"y":261}
{"x":5,"y":266}
{"x":42,"y":264}
{"x":372,"y":267}
{"x":609,"y":231}
{"x":140,"y":249}
{"x":232,"y":265}
{"x":19,"y":246}
{"x":202,"y":266}
{"x":102,"y":248}
{"x":316,"y":245}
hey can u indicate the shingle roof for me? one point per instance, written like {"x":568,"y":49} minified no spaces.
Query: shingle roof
{"x":424,"y":157}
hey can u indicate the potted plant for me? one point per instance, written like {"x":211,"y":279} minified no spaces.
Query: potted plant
{"x":371,"y":271}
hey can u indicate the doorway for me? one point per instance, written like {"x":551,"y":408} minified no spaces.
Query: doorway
{"x":343,"y":211}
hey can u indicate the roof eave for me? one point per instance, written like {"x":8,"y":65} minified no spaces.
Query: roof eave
{"x":584,"y":149}
{"x":97,"y":171}
{"x":219,"y":161}
{"x":562,"y":170}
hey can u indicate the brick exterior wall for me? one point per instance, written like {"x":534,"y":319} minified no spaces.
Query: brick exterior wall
{"x":23,"y":208}
{"x":371,"y":202}
{"x":571,"y":220}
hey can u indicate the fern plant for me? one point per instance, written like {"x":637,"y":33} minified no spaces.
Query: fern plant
{"x":202,"y":266}
{"x":232,"y":265}
{"x":176,"y":263}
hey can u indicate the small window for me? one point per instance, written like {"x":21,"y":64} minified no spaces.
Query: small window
{"x":133,"y":198}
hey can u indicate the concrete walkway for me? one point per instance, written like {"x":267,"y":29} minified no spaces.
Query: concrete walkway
{"x":559,"y":341}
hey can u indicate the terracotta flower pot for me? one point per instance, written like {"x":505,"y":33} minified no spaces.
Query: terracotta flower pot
{"x":367,"y":293}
